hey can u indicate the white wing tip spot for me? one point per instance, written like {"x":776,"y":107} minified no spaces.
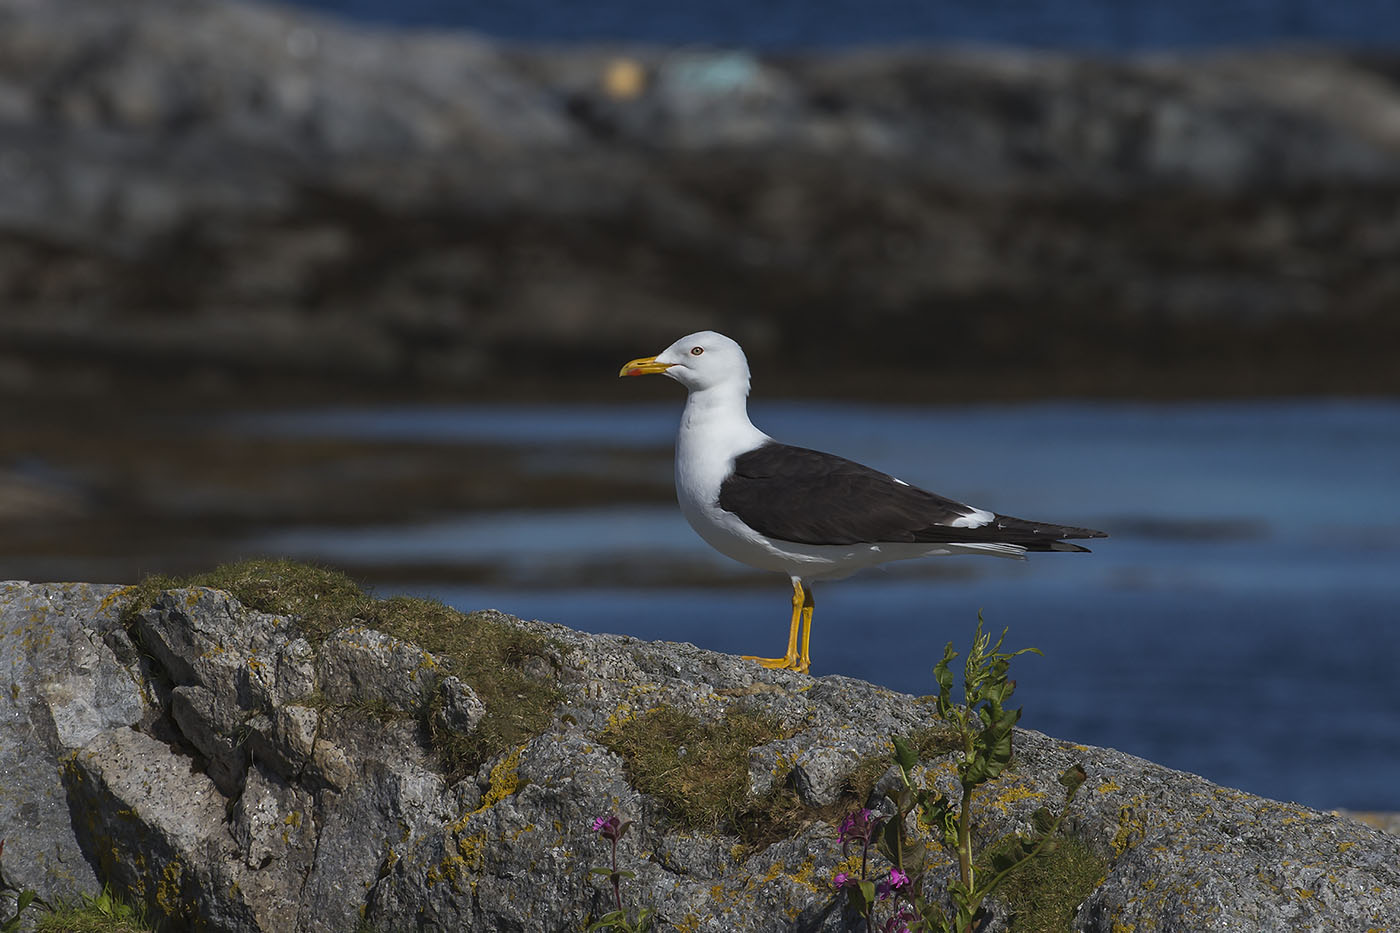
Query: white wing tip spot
{"x":974,"y":519}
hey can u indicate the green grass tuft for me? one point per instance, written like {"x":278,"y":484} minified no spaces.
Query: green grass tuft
{"x":1043,"y":893}
{"x":510,"y":670}
{"x":105,"y":913}
{"x":929,"y":742}
{"x":322,"y":599}
{"x":698,"y":770}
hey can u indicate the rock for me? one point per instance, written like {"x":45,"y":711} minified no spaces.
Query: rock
{"x":154,"y":829}
{"x":461,"y":709}
{"x":196,"y":711}
{"x":62,"y":687}
{"x":360,"y":665}
{"x":230,"y":196}
{"x":285,"y":740}
{"x":188,"y":779}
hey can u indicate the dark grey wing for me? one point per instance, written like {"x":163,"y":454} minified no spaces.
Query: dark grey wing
{"x":809,"y":497}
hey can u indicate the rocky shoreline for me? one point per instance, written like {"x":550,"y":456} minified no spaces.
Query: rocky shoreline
{"x":331,"y":762}
{"x":211,"y":201}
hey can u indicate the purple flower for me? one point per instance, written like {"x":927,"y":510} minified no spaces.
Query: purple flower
{"x":899,"y":923}
{"x":841,"y":880}
{"x":896,"y":880}
{"x":857,"y":826}
{"x":611,"y":827}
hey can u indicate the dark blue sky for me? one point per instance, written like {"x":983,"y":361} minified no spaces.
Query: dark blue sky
{"x":1098,"y":25}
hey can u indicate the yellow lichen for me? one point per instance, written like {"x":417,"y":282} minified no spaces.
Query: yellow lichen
{"x":168,"y":889}
{"x":1011,"y":795}
{"x":804,"y":873}
{"x":111,"y":598}
{"x":505,"y":780}
{"x":1131,"y":828}
{"x":472,"y":850}
{"x":688,"y":924}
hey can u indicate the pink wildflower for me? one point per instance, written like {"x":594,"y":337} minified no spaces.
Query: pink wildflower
{"x":857,"y":826}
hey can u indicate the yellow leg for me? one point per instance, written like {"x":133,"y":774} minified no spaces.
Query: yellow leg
{"x":809,"y":603}
{"x":799,"y":612}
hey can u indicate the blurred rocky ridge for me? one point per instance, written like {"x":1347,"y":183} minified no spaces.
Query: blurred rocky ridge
{"x":227,"y":196}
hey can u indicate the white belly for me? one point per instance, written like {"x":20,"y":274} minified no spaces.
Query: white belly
{"x":725,"y":533}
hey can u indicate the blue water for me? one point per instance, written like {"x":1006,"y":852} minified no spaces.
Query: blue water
{"x":1094,"y":25}
{"x":1242,"y":623}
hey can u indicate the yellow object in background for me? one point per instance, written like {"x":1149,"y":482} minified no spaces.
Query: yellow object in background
{"x":624,"y":79}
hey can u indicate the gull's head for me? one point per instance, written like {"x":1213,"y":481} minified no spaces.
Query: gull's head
{"x":699,"y":361}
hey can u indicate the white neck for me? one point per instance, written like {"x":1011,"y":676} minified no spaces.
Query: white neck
{"x":715,"y":428}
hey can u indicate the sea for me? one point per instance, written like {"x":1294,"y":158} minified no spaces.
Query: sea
{"x":1242,"y":622}
{"x":1102,"y":26}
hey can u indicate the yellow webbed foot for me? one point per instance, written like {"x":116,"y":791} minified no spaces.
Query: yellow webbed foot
{"x":774,"y":664}
{"x":792,"y":663}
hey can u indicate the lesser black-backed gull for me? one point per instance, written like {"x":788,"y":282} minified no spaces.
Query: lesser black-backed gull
{"x":808,"y":514}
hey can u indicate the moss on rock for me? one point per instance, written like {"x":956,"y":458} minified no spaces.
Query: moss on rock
{"x":698,"y":770}
{"x":1043,"y":893}
{"x":508,"y":668}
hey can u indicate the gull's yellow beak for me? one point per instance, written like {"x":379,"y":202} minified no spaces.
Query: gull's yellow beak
{"x":644,"y":367}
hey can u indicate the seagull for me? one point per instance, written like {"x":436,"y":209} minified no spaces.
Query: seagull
{"x":808,"y":514}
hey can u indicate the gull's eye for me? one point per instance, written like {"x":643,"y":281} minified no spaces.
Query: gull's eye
{"x":696,"y":351}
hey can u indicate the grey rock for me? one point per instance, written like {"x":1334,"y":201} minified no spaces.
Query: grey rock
{"x":360,"y":665}
{"x":817,"y":759}
{"x":271,"y":825}
{"x":461,"y":709}
{"x":386,"y":796}
{"x":196,"y":711}
{"x":155,"y":830}
{"x":60,"y":686}
{"x":340,"y":817}
{"x":260,"y":664}
{"x":285,"y":740}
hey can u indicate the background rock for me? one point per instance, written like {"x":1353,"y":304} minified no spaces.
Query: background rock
{"x":334,"y":815}
{"x":240,"y":198}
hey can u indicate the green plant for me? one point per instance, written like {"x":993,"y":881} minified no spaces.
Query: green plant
{"x":23,"y":900}
{"x":983,"y":727}
{"x":103,"y":913}
{"x":613,"y":829}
